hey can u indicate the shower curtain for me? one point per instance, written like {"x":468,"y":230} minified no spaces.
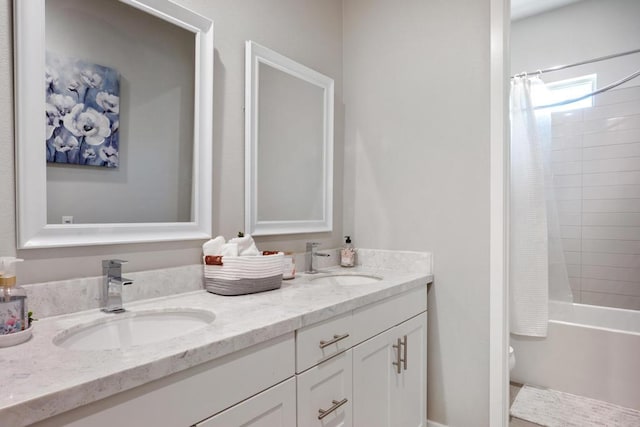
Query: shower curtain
{"x":529,"y":242}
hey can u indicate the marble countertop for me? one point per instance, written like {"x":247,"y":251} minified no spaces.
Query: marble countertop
{"x":40,"y":380}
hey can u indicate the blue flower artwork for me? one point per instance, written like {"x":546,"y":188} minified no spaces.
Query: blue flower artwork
{"x":82,"y":112}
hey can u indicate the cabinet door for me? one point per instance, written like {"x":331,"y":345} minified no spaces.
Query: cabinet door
{"x":326,"y":388}
{"x":389,"y":377}
{"x":275,"y":407}
{"x":373,"y":373}
{"x":409,"y":388}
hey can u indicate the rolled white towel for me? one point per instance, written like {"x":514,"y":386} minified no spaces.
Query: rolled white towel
{"x":246,"y":245}
{"x":213,"y":246}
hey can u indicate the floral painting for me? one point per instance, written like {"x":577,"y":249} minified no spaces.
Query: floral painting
{"x":82,"y":111}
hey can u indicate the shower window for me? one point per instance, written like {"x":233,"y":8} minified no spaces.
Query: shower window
{"x":571,"y":89}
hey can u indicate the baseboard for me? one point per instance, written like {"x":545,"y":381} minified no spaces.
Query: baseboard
{"x":434,"y":424}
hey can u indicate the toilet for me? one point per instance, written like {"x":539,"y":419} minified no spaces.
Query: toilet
{"x":512,"y":359}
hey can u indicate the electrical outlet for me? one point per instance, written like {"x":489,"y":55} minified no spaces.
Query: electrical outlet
{"x":67,"y":219}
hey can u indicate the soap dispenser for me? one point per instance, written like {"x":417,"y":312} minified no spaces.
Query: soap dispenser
{"x":347,"y":253}
{"x":13,"y":299}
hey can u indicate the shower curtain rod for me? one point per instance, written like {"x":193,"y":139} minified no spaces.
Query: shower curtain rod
{"x":589,"y":61}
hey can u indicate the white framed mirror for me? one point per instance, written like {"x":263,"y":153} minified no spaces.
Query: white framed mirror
{"x":127,"y":100}
{"x":288,"y":145}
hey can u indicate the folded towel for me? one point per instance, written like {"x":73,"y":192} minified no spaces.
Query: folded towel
{"x":229,"y":249}
{"x":246,"y":245}
{"x":213,"y":246}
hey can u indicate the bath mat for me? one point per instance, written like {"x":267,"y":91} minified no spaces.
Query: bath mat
{"x":553,"y":408}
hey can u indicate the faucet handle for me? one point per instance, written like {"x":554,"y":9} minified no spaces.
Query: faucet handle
{"x":108,"y":263}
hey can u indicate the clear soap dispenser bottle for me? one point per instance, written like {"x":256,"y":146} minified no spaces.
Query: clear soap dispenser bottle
{"x":347,"y":253}
{"x":13,"y":299}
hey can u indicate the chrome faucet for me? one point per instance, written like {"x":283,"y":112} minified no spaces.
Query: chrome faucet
{"x":112,"y":283}
{"x":310,"y":254}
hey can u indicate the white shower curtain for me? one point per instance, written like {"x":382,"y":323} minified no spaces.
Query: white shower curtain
{"x":529,"y":243}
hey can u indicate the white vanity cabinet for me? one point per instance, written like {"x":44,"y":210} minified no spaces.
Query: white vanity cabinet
{"x":362,"y":368}
{"x":366,"y":368}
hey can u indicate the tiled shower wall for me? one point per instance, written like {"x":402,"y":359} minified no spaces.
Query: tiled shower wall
{"x":596,"y":165}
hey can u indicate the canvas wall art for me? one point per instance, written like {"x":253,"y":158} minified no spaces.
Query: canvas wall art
{"x":82,"y":112}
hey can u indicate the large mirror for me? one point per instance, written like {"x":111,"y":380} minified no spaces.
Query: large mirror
{"x":289,"y":145}
{"x":119,"y":94}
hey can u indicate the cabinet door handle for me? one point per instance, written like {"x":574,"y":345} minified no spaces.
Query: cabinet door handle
{"x":335,"y":339}
{"x":398,"y":363}
{"x":404,"y":359}
{"x":336,"y":404}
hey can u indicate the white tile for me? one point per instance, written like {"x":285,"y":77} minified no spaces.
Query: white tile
{"x":611,"y":273}
{"x":574,"y":245}
{"x":564,"y":142}
{"x":560,"y":181}
{"x":609,"y":165}
{"x":618,"y":205}
{"x":572,"y":257}
{"x":611,"y":300}
{"x":611,"y":192}
{"x":577,"y":296}
{"x":614,"y":233}
{"x":573,"y":270}
{"x":611,"y":123}
{"x":566,"y":168}
{"x":614,"y":110}
{"x":611,"y":151}
{"x":611,"y":218}
{"x":569,"y":206}
{"x":611,"y":178}
{"x":560,"y":117}
{"x":610,"y":286}
{"x":611,"y":138}
{"x":566,"y":155}
{"x":570,"y":232}
{"x":618,"y":95}
{"x":575,"y":283}
{"x":567,"y":129}
{"x":568,"y":193}
{"x":610,"y":260}
{"x":611,"y":246}
{"x":566,"y":218}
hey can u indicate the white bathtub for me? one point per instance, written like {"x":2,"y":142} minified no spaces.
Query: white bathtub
{"x":590,"y":351}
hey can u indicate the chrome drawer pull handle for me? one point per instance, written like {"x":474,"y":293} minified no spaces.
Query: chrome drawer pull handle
{"x":405,"y":352}
{"x":335,"y":406}
{"x":398,"y":363}
{"x":335,"y":339}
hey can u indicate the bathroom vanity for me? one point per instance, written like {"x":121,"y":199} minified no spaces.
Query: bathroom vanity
{"x":304,"y":355}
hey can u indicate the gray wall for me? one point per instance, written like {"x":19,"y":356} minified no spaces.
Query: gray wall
{"x":417,"y":172}
{"x":307,"y":31}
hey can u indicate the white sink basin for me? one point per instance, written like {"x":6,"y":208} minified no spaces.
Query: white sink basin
{"x":120,"y":331}
{"x":347,"y":279}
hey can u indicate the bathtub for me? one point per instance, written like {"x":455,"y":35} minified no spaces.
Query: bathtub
{"x":589,"y":351}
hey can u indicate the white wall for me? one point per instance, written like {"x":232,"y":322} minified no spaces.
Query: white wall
{"x":317,"y":26}
{"x":595,"y":150}
{"x":417,"y":172}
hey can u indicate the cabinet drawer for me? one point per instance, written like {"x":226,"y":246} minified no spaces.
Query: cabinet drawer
{"x":323,"y":340}
{"x":378,"y":317}
{"x":327,"y":388}
{"x":275,"y":407}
